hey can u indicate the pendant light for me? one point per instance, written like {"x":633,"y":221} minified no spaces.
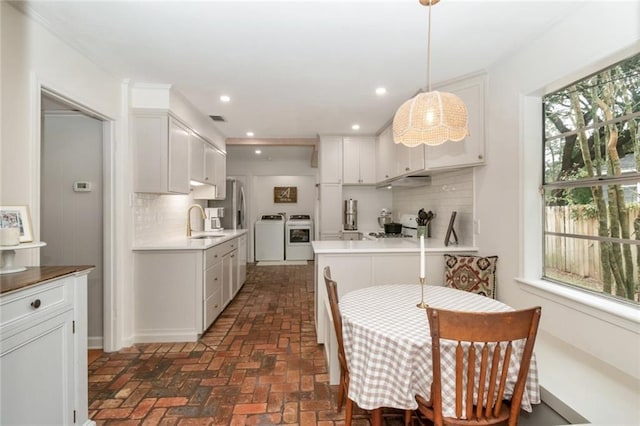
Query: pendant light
{"x":430,"y":118}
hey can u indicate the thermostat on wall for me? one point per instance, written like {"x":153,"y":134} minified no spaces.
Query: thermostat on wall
{"x":82,"y":186}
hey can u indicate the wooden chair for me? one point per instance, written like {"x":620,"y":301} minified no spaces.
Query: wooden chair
{"x":343,"y":390}
{"x":482,"y":329}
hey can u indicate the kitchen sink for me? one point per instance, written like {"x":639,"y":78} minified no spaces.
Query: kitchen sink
{"x":204,"y":237}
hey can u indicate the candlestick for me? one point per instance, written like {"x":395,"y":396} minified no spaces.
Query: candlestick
{"x":422,"y":305}
{"x":422,"y":257}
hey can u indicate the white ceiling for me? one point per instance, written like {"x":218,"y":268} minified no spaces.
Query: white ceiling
{"x":296,"y":69}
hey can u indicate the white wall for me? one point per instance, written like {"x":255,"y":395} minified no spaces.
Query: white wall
{"x":450,"y":191}
{"x":588,"y":358}
{"x":32,"y":57}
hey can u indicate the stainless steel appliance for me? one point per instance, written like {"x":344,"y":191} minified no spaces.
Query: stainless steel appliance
{"x":234,"y":206}
{"x":298,"y":236}
{"x":350,"y":214}
{"x":213,"y":220}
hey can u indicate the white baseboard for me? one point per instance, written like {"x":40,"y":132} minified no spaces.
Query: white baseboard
{"x":95,"y":342}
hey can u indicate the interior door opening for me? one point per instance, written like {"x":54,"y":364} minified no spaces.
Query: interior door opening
{"x":71,"y":199}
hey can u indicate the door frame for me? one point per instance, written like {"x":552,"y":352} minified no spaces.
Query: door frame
{"x":109,"y":334}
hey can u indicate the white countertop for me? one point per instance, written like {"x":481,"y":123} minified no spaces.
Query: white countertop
{"x":386,"y":245}
{"x":183,"y":243}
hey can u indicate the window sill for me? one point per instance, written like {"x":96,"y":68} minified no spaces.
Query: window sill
{"x":617,"y":313}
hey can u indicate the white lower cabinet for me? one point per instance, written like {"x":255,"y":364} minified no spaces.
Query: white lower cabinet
{"x":213,"y":280}
{"x":180,"y":293}
{"x":43,"y":356}
{"x":242,"y":261}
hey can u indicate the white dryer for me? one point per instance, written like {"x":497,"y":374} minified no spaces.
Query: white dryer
{"x":269,"y":238}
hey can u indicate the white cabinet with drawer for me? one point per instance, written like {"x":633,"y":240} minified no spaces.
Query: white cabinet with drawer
{"x":213,"y":280}
{"x":43,"y":353}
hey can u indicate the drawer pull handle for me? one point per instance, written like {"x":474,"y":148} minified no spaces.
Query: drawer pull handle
{"x":36,"y":304}
{"x":215,"y":279}
{"x":215,"y":306}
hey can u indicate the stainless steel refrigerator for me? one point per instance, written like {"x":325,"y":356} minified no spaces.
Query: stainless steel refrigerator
{"x":234,"y":206}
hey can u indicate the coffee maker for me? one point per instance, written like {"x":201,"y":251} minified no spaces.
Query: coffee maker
{"x":212,"y":222}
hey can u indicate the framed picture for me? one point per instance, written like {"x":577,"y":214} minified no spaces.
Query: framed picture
{"x":17,"y":217}
{"x":451,"y":231}
{"x":285,"y":194}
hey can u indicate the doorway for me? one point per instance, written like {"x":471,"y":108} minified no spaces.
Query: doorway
{"x":71,"y":199}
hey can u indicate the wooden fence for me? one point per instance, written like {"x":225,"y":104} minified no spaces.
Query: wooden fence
{"x":575,"y":255}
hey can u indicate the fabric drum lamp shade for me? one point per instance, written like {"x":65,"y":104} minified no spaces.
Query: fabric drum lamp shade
{"x":430,"y":118}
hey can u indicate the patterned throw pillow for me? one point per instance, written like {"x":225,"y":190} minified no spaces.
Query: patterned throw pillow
{"x":471,"y":273}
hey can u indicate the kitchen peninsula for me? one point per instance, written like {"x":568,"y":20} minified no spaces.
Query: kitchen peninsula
{"x":182,"y":284}
{"x":363,"y":263}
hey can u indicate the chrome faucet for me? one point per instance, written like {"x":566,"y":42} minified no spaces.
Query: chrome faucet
{"x":204,"y":216}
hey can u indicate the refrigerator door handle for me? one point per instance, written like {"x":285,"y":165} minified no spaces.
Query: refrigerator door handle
{"x":243,"y":208}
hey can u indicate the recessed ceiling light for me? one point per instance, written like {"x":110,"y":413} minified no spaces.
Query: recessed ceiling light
{"x":250,"y":134}
{"x":356,"y":127}
{"x":381,"y":91}
{"x":225,"y":98}
{"x":258,"y":151}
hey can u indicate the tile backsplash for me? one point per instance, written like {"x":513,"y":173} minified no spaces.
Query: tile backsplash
{"x":162,"y":216}
{"x":450,"y":191}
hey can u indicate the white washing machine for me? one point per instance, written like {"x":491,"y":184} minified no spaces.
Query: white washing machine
{"x":298,"y":236}
{"x":269,"y":238}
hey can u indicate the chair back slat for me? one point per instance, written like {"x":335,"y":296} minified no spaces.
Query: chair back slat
{"x":495,"y":361}
{"x":332,"y":293}
{"x":483,"y":352}
{"x":481,"y":380}
{"x":459,"y":379}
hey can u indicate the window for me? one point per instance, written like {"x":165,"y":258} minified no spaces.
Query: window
{"x":591,"y":183}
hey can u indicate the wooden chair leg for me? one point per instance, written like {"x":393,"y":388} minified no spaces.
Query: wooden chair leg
{"x":348,"y":412}
{"x":408,"y":414}
{"x":341,"y":393}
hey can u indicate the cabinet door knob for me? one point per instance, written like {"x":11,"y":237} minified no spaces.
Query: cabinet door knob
{"x":480,"y":157}
{"x":233,"y":255}
{"x":36,"y":304}
{"x":215,"y":279}
{"x":406,"y":169}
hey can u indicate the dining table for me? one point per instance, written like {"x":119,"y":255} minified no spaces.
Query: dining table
{"x":387,"y":343}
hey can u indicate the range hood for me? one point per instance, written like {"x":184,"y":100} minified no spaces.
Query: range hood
{"x":408,"y":182}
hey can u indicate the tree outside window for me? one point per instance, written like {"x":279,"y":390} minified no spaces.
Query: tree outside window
{"x":591,"y":183}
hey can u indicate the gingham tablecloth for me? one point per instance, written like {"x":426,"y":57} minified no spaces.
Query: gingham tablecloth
{"x":388,"y":345}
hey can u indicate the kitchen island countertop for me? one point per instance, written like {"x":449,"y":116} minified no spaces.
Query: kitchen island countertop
{"x":386,"y":245}
{"x":198,"y":241}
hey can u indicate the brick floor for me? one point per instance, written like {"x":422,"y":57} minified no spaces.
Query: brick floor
{"x":258,"y":364}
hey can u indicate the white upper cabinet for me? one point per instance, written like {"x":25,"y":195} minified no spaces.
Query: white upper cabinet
{"x":385,"y":155}
{"x":408,"y":159}
{"x":330,"y":153}
{"x":358,"y":158}
{"x":197,"y":156}
{"x":161,"y":154}
{"x":220,"y":174}
{"x":471,"y":150}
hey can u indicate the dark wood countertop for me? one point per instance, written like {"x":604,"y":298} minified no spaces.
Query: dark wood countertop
{"x":36,"y":275}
